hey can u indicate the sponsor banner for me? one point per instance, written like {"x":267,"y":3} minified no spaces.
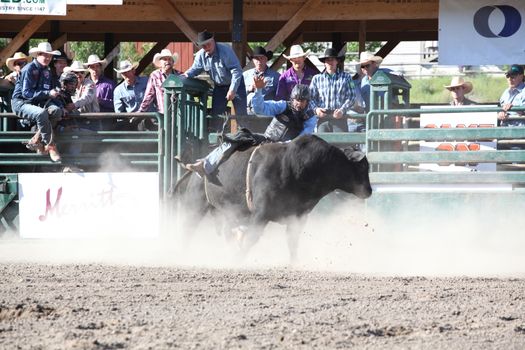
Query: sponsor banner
{"x":458,"y":120}
{"x":480,"y":32}
{"x":33,"y":7}
{"x":94,"y":2}
{"x":88,"y":205}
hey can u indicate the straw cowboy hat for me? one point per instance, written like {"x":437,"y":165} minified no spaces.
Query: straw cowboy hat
{"x":19,"y":56}
{"x":459,"y":81}
{"x":261,"y":51}
{"x":76,"y":66}
{"x":164,"y":53}
{"x":204,"y":37}
{"x":44,"y":47}
{"x":366,"y":57}
{"x":330,"y":53}
{"x":126,"y":66}
{"x":296,"y":51}
{"x":94,"y":59}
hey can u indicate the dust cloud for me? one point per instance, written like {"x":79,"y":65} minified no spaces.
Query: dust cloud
{"x":341,"y":235}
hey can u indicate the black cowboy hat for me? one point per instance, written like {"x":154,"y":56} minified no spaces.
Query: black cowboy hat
{"x":203,"y":37}
{"x":330,"y":53}
{"x":261,"y":51}
{"x":62,"y":56}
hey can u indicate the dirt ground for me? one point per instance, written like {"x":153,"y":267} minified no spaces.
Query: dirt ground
{"x":357,"y":284}
{"x":95,"y":306}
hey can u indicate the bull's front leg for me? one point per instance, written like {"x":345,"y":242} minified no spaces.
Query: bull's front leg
{"x":248,"y":236}
{"x":294,"y":229}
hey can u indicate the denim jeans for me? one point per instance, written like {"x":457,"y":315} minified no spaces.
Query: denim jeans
{"x":219,"y":102}
{"x":214,"y":158}
{"x":332,"y":125}
{"x":42,"y":117}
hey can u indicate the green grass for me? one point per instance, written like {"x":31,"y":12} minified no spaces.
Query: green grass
{"x":431,"y":90}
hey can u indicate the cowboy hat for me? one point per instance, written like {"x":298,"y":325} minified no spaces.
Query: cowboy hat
{"x":296,"y":51}
{"x":261,"y":51}
{"x":366,"y":57}
{"x":330,"y":53}
{"x":76,"y":66}
{"x":19,"y":56}
{"x":164,"y":53}
{"x":204,"y":37}
{"x":459,"y":81}
{"x":94,"y":59}
{"x":62,"y":56}
{"x":126,"y":66}
{"x":43,"y":47}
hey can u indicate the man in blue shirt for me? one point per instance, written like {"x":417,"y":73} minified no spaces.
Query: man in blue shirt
{"x":36,"y":99}
{"x":514,"y":95}
{"x":260,"y":59}
{"x":224,"y":68}
{"x":129,"y":94}
{"x":289,"y":122}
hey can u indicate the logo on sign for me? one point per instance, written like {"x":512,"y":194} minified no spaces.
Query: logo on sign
{"x":511,"y":24}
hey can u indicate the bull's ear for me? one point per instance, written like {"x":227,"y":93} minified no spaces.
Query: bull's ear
{"x":354,"y":153}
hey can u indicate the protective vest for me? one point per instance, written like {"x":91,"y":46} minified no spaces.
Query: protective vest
{"x":286,"y":126}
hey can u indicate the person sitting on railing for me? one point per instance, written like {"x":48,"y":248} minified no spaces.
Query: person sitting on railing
{"x":514,"y":95}
{"x":33,"y":93}
{"x":333,"y":94}
{"x":290,"y":120}
{"x":458,"y":89}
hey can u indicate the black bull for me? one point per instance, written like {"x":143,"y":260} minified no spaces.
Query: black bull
{"x":284,"y":183}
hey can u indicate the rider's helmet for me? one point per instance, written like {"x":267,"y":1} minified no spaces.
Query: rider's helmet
{"x":68,"y":82}
{"x":300,"y":92}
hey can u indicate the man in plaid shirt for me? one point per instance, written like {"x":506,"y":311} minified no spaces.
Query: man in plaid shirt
{"x":333,"y":95}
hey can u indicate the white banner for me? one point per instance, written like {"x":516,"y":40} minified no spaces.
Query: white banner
{"x":480,"y":32}
{"x":94,"y":2}
{"x":458,"y":120}
{"x":88,"y":205}
{"x":33,"y":7}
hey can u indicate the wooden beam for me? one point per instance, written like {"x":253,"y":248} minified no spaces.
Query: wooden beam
{"x":176,"y":17}
{"x":387,"y":48}
{"x":21,"y":38}
{"x":59,"y":42}
{"x":362,"y":36}
{"x":303,"y":13}
{"x":148,"y":57}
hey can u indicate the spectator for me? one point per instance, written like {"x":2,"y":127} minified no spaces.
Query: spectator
{"x":290,"y":121}
{"x":260,"y":59}
{"x":85,"y":96}
{"x":58,"y":64}
{"x":333,"y":94}
{"x":154,"y":95}
{"x":128,"y":96}
{"x":15,"y":65}
{"x":369,"y":66}
{"x":105,"y":86}
{"x":458,"y":89}
{"x":33,"y":91}
{"x":224,"y":68}
{"x":298,"y":73}
{"x":514,"y":95}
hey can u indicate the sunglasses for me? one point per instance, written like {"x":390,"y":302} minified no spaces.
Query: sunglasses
{"x":455,"y":88}
{"x":365,"y":65}
{"x":20,"y":63}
